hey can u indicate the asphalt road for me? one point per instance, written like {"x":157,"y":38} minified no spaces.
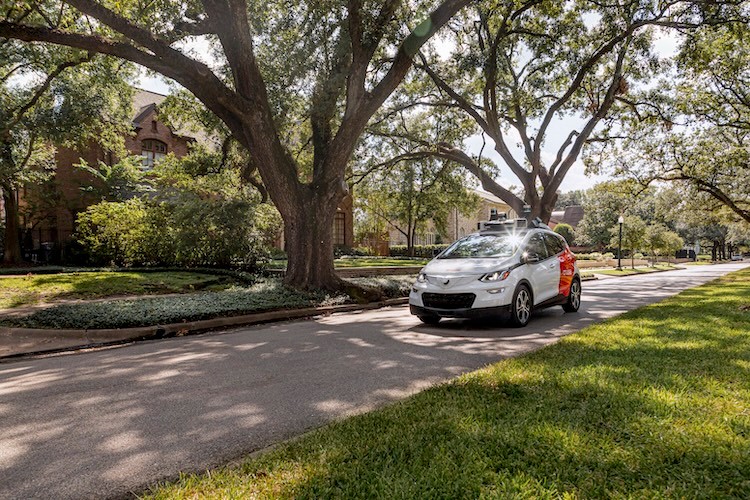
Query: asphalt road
{"x":104,"y":423}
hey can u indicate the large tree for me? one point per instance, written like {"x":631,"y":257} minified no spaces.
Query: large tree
{"x":296,"y":84}
{"x":696,"y":129}
{"x":522,"y":67}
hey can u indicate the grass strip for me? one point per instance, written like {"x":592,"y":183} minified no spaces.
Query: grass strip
{"x":628,"y":271}
{"x":36,"y":289}
{"x":652,"y":404}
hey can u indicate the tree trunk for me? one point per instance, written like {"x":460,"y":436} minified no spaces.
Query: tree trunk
{"x":542,"y":209}
{"x":309,"y":241}
{"x":11,"y":242}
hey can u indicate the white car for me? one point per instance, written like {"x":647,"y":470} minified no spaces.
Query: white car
{"x":505,"y":270}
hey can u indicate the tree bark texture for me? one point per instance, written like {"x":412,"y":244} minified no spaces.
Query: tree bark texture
{"x":11,"y":241}
{"x":308,"y":225}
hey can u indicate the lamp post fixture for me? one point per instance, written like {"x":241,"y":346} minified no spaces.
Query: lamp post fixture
{"x":620,"y":221}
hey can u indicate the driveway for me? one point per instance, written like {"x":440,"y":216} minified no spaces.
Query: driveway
{"x":108,"y":422}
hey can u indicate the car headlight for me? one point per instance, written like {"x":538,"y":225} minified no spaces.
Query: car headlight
{"x":422,"y":278}
{"x":496,"y":276}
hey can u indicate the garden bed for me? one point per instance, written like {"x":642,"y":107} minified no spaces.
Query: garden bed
{"x":267,"y":294}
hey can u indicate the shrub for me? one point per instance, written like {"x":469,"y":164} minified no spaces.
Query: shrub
{"x":344,"y":251}
{"x":590,"y":256}
{"x":567,"y":232}
{"x":186,"y":231}
{"x":638,"y":255}
{"x":422,"y":251}
{"x":113,"y":233}
{"x":608,"y":255}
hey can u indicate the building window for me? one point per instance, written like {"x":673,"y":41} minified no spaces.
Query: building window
{"x":339,"y":236}
{"x":153,"y":126}
{"x":152,"y":151}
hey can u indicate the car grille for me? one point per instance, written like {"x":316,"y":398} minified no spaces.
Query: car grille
{"x":448,"y":300}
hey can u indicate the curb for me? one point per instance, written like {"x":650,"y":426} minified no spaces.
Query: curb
{"x":115,"y":336}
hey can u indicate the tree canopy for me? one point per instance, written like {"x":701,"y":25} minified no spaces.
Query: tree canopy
{"x":295,"y":84}
{"x":695,"y":127}
{"x":520,"y":67}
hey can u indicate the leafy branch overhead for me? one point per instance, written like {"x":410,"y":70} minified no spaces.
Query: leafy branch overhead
{"x":520,"y":68}
{"x":339,"y":63}
{"x":693,"y":129}
{"x":52,"y":95}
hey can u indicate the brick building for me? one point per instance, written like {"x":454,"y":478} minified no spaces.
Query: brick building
{"x":48,"y":217}
{"x":48,"y":213}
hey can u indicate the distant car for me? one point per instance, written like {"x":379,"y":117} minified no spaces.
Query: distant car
{"x":735,"y":256}
{"x":506,"y":269}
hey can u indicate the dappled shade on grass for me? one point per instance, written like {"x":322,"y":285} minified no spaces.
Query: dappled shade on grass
{"x":654,"y":403}
{"x":34,"y":289}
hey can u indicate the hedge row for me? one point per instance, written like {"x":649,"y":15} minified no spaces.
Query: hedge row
{"x":423,"y":251}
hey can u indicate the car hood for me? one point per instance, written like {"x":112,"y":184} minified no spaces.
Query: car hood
{"x":465,"y":267}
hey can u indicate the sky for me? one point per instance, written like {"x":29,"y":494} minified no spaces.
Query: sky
{"x":666,"y":45}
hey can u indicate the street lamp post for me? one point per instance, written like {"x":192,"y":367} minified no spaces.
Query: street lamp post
{"x":620,"y":221}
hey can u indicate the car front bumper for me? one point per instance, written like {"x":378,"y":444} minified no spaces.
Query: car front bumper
{"x":471,"y":313}
{"x":490,"y":299}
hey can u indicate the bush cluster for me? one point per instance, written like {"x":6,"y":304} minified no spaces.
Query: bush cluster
{"x":422,"y":251}
{"x":342,"y":251}
{"x":194,"y":232}
{"x":595,"y":256}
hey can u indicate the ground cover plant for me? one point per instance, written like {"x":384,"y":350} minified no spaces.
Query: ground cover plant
{"x":652,"y":404}
{"x":267,"y":294}
{"x":34,"y":289}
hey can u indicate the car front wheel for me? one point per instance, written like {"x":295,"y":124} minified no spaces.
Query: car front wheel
{"x":574,"y":298}
{"x":520,"y":312}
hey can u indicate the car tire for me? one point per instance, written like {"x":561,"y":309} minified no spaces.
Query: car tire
{"x":520,"y":308}
{"x":429,"y":320}
{"x":574,"y":297}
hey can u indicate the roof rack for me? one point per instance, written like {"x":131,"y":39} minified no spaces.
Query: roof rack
{"x":502,"y":223}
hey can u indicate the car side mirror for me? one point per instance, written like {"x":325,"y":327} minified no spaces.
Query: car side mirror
{"x":530,"y":258}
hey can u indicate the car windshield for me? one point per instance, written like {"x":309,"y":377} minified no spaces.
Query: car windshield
{"x":482,"y":246}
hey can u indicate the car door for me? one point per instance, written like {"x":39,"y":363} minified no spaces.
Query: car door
{"x":539,"y":274}
{"x":559,"y":267}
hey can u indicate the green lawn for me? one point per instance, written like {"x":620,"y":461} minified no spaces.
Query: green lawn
{"x":627,"y":271}
{"x":36,"y":289}
{"x":362,"y":262}
{"x":652,"y":404}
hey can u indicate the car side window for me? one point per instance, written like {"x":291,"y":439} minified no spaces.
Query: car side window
{"x":554,"y":244}
{"x":536,"y":246}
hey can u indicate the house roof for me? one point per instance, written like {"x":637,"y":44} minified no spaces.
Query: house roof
{"x":145,"y":102}
{"x":571,"y":215}
{"x":488,"y":196}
